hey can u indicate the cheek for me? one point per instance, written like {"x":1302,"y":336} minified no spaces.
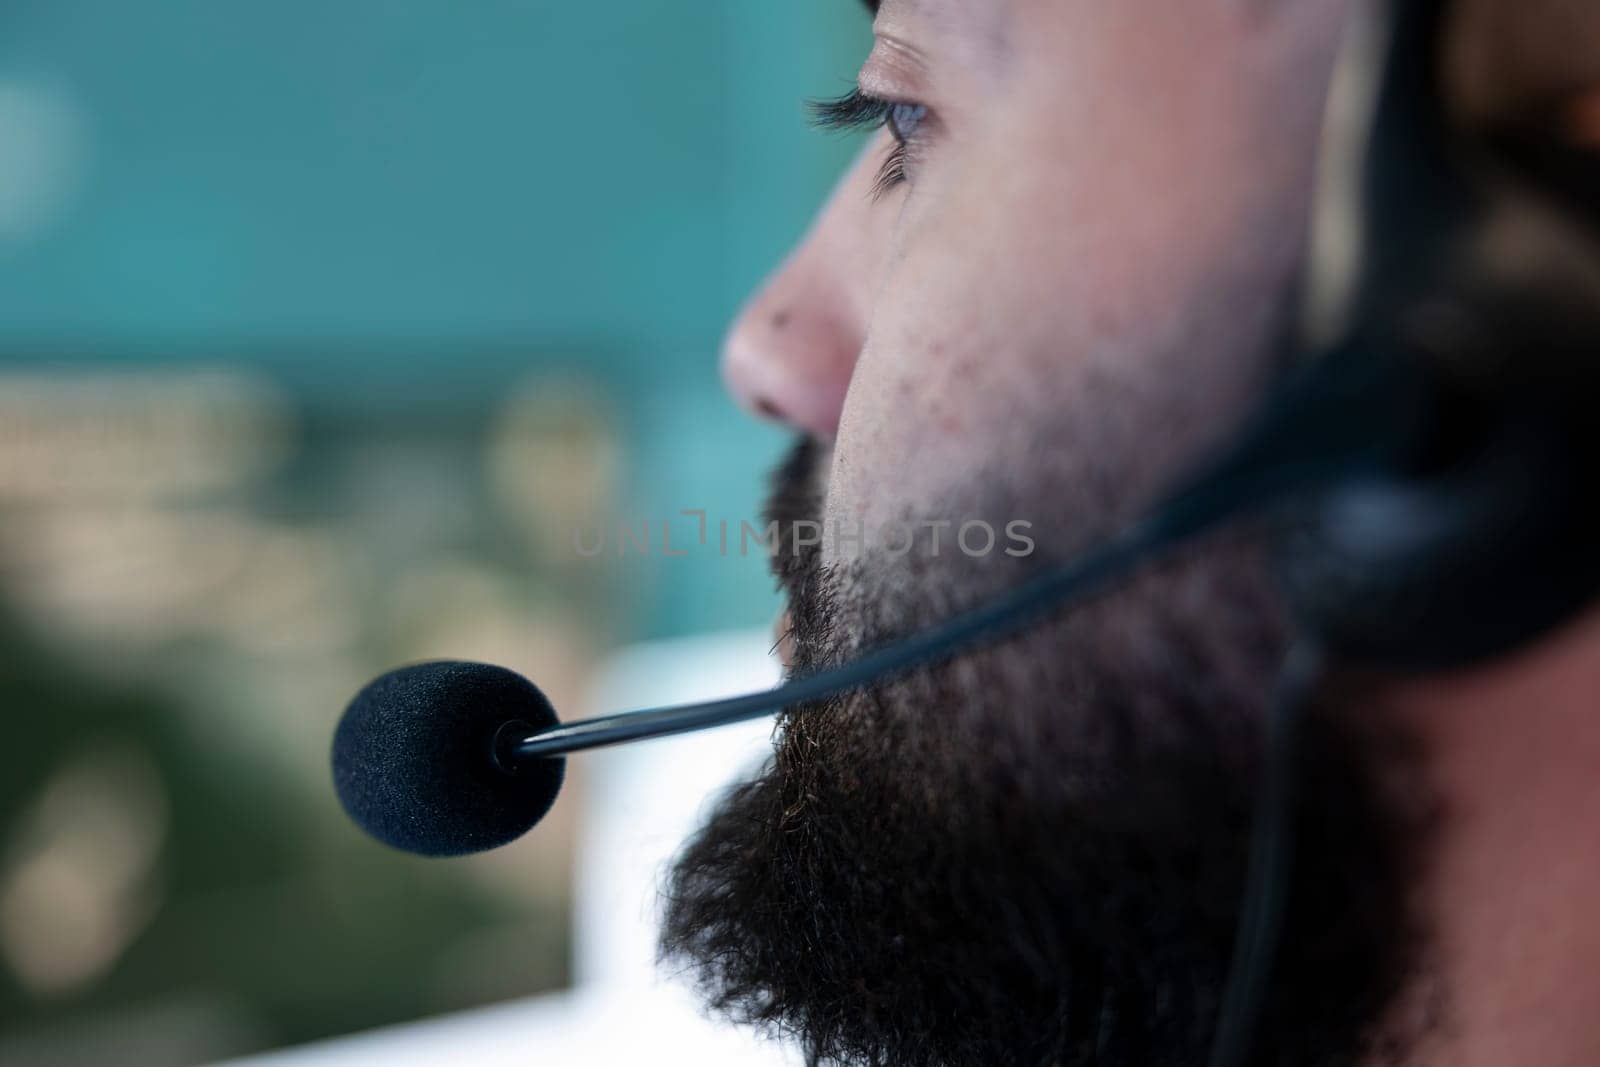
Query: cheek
{"x":1080,"y":302}
{"x":955,"y":372}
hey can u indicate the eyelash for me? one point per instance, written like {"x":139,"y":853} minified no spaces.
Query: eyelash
{"x":857,"y":110}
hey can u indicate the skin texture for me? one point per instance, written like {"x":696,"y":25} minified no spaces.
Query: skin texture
{"x":1077,"y":293}
{"x":1512,"y":751}
{"x":1156,"y":223}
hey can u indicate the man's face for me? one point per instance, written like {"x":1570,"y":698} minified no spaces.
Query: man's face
{"x":1102,"y":201}
{"x":1034,"y":852}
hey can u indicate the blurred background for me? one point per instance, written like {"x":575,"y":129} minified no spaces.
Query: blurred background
{"x":325,"y":331}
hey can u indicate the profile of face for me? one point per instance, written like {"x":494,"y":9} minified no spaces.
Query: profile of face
{"x":1054,"y":278}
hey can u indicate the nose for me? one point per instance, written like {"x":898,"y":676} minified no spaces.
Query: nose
{"x":790,"y":354}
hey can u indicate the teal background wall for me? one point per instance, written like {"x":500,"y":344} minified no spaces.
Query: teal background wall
{"x":320,"y":324}
{"x":412,"y":203}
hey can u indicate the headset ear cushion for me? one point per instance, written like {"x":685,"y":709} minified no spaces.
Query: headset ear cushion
{"x":1454,"y":567}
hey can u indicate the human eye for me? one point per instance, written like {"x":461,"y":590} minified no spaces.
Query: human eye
{"x":858,"y":110}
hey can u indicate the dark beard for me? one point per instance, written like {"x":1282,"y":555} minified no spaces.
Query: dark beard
{"x":1035,"y":853}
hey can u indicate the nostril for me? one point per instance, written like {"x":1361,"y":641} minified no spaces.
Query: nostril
{"x":789,"y":366}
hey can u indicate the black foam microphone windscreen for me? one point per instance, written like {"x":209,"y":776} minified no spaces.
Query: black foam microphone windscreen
{"x":414,"y":761}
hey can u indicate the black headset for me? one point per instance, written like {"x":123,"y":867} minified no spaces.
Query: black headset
{"x":1453,"y":286}
{"x":1476,"y":277}
{"x":1430,"y":457}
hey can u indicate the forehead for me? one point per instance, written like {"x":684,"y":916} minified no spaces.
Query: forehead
{"x":981,"y":24}
{"x":957,"y":18}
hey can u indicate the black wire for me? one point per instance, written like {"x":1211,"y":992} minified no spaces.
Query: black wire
{"x":1271,"y":859}
{"x":1336,"y":419}
{"x":1092,"y":573}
